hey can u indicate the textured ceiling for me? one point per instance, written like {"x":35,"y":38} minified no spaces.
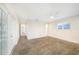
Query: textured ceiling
{"x":45,"y":12}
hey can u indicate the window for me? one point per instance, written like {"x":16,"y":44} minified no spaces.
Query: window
{"x":65,"y":25}
{"x":3,"y":32}
{"x":59,"y":26}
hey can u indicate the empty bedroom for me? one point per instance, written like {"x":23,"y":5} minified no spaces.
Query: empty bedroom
{"x":39,"y":28}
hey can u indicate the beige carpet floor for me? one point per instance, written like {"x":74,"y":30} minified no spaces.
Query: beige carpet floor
{"x":45,"y":46}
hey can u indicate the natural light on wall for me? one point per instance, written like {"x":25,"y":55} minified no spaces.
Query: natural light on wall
{"x":23,"y":29}
{"x":46,"y":28}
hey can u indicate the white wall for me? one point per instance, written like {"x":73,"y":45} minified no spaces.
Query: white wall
{"x":35,"y":30}
{"x":70,"y":34}
{"x":13,"y":32}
